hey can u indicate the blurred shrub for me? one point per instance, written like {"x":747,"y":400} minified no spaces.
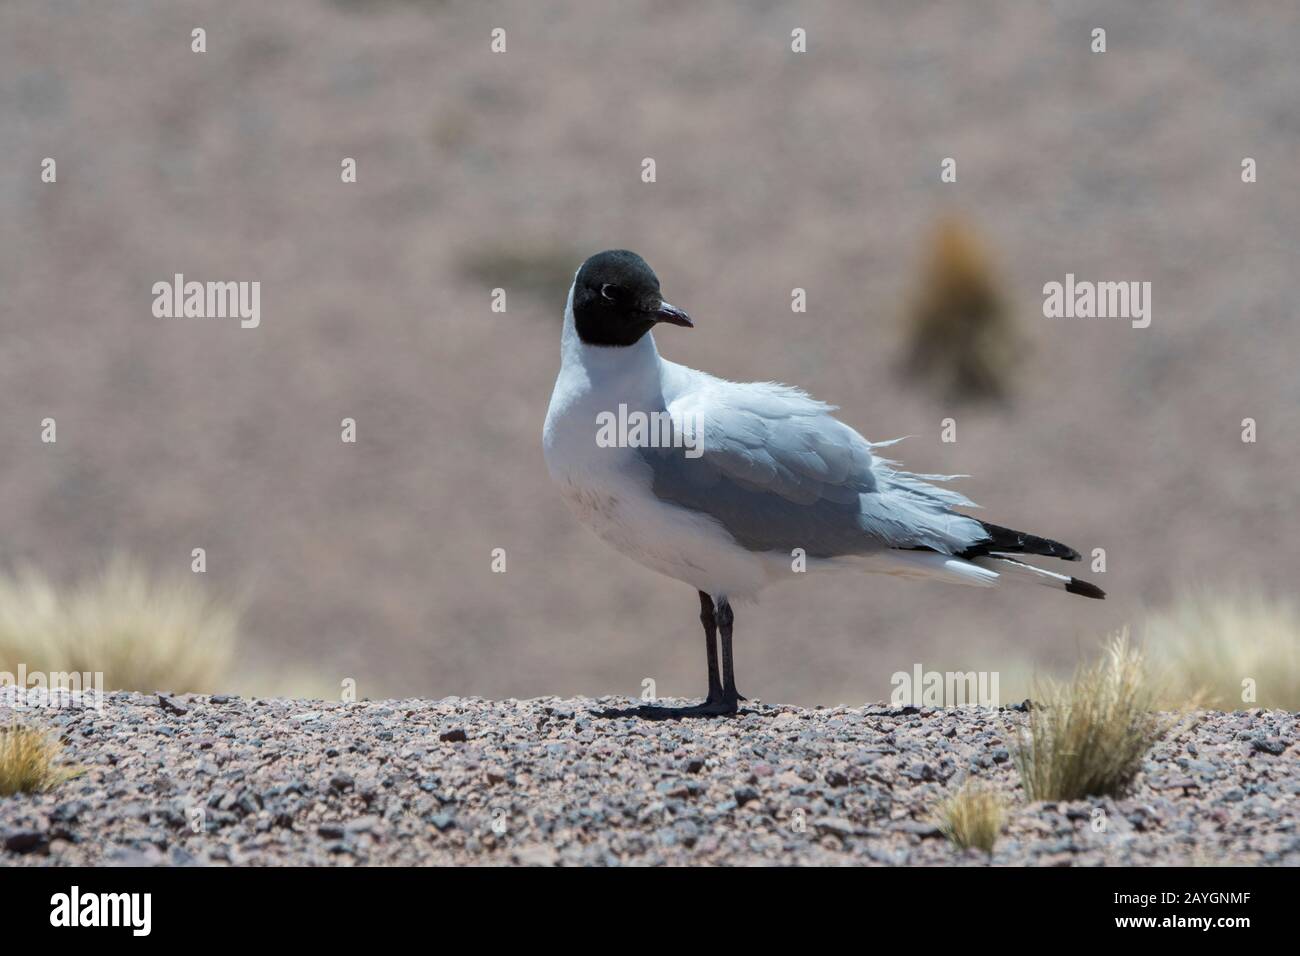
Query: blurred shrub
{"x":963,"y":342}
{"x":143,"y":634}
{"x":1213,"y":649}
{"x":543,"y":271}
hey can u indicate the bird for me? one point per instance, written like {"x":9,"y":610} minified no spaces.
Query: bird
{"x":746,"y":480}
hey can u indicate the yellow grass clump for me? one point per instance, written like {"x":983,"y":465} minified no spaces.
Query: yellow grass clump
{"x":142,"y":634}
{"x":1087,"y":736}
{"x":29,"y":761}
{"x":973,"y":816}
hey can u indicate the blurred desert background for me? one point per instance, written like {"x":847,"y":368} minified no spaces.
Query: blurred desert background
{"x":775,"y":170}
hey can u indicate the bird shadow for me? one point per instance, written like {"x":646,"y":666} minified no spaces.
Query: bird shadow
{"x":654,"y":712}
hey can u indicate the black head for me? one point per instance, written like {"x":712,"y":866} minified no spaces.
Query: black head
{"x":616,"y":300}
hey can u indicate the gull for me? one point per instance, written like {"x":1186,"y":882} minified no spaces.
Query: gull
{"x":754,"y":477}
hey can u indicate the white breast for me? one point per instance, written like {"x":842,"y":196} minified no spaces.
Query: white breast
{"x":609,"y":489}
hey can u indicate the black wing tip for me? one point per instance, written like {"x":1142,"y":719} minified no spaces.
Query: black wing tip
{"x":1010,"y":541}
{"x":1085,"y":589}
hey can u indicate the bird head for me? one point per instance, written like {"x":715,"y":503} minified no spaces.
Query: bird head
{"x":616,"y":300}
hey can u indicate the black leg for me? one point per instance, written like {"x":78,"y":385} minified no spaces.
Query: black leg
{"x":722,"y":693}
{"x":725,"y":619}
{"x":711,"y":645}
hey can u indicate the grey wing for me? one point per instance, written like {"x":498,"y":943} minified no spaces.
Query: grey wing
{"x":778,"y":472}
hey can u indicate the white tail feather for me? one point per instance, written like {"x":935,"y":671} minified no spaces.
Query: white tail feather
{"x":945,"y":567}
{"x":1025,"y":572}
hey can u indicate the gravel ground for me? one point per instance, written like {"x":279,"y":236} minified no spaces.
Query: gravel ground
{"x":198,"y":779}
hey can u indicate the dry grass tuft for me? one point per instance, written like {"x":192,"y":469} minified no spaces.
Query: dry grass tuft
{"x":29,"y":761}
{"x":143,"y":634}
{"x":1222,"y":650}
{"x":973,"y":816}
{"x":1087,"y":737}
{"x":963,"y":340}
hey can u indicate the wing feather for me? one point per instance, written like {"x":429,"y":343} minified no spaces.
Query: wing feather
{"x":779,"y":471}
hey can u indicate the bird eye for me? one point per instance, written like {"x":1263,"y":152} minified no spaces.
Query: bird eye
{"x":608,"y":291}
